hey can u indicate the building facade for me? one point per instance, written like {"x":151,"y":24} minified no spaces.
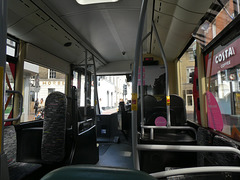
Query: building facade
{"x":111,"y":91}
{"x":186,"y":68}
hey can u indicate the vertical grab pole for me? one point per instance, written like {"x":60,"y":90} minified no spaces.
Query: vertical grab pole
{"x":142,"y":102}
{"x":3,"y":38}
{"x":134,"y":85}
{"x":166,"y":72}
{"x":238,"y":6}
{"x":85,"y":88}
{"x":141,"y":94}
{"x":96,"y":102}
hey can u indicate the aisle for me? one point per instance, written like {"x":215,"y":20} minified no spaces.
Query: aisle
{"x":115,"y":155}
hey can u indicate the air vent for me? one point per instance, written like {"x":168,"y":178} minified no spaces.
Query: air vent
{"x":25,"y":3}
{"x":160,"y":6}
{"x":40,"y":16}
{"x":67,"y":44}
{"x":54,"y":27}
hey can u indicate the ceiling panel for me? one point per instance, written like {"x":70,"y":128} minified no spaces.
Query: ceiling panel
{"x":107,"y":30}
{"x":175,"y":22}
{"x":110,"y":28}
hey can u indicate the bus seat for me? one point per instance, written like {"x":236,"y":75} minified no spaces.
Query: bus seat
{"x":54,"y":128}
{"x":43,"y":141}
{"x":160,"y":112}
{"x":149,"y":103}
{"x":17,"y":170}
{"x":177,"y":106}
{"x":177,"y":111}
{"x":225,"y":159}
{"x":95,"y":173}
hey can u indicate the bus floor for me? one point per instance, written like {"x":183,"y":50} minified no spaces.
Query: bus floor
{"x":116,"y":154}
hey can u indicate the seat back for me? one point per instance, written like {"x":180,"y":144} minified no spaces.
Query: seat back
{"x":10,"y":144}
{"x":177,"y":106}
{"x":89,"y":172}
{"x":149,"y":102}
{"x":54,"y":128}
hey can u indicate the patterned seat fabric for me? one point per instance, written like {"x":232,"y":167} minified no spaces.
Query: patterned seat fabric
{"x":54,"y":128}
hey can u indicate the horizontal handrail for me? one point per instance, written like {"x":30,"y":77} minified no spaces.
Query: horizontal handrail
{"x":186,"y":148}
{"x":82,"y":132}
{"x":20,"y":108}
{"x":82,"y":122}
{"x":193,"y":170}
{"x":164,"y":127}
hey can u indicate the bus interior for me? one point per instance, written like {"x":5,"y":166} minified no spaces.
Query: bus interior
{"x":139,"y":89}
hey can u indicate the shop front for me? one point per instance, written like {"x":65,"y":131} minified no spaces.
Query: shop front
{"x":223,"y":88}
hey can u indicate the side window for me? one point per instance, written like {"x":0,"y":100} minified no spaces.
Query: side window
{"x":186,"y":70}
{"x":111,"y":92}
{"x":51,"y":74}
{"x":189,"y":70}
{"x":39,"y":82}
{"x":223,"y":95}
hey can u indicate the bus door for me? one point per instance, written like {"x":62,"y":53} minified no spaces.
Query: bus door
{"x":85,"y":91}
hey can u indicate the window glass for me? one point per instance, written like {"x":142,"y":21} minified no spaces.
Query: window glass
{"x":186,"y":70}
{"x":51,"y":74}
{"x":223,"y":93}
{"x":11,"y":48}
{"x":216,"y":19}
{"x":191,"y":56}
{"x":75,"y":79}
{"x":111,"y":92}
{"x":190,"y":70}
{"x":82,"y":91}
{"x":38,"y":84}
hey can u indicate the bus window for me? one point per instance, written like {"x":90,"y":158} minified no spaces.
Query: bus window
{"x":82,"y":91}
{"x":11,"y":47}
{"x":39,"y":82}
{"x":79,"y":82}
{"x":216,"y":20}
{"x":111,"y":91}
{"x":186,"y":70}
{"x":223,"y":91}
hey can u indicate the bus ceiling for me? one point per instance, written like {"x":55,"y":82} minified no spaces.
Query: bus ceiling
{"x":106,"y":31}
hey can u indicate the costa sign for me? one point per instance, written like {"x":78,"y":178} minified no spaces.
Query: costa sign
{"x":226,"y":58}
{"x":227,"y":53}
